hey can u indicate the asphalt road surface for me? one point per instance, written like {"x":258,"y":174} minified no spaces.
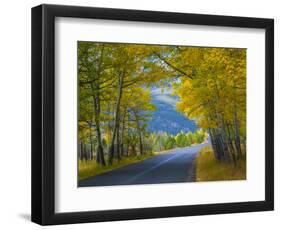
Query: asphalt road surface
{"x":178,"y":165}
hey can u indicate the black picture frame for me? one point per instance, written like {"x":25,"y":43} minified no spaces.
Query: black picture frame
{"x":43,"y":114}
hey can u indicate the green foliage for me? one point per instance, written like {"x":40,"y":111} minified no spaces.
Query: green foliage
{"x":164,"y":141}
{"x":171,"y":142}
{"x":181,"y":140}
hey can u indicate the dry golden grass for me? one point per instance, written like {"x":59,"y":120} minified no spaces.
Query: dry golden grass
{"x":91,"y":168}
{"x":210,"y":169}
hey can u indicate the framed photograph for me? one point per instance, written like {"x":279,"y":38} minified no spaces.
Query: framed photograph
{"x":142,"y":114}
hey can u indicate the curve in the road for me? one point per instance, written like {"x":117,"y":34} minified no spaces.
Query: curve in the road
{"x":178,"y":165}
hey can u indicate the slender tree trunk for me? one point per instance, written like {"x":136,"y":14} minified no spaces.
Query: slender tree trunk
{"x":214,"y":145}
{"x":228,"y":141}
{"x":91,"y":142}
{"x":221,"y":132}
{"x":231,"y":147}
{"x":219,"y":141}
{"x":220,"y":150}
{"x":127,"y":149}
{"x":84,"y":151}
{"x":236,"y":128}
{"x":237,"y":135}
{"x":122,"y":132}
{"x":81,"y":150}
{"x":116,"y":117}
{"x":100,"y":153}
{"x":95,"y":87}
{"x":128,"y":134}
{"x":140,"y":143}
{"x":133,"y":147}
{"x":223,"y":142}
{"x":118,"y":140}
{"x":109,"y":125}
{"x":217,"y":145}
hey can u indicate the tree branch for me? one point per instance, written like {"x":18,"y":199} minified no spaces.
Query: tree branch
{"x":173,"y":66}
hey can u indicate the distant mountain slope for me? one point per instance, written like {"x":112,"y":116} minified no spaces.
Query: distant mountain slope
{"x":166,"y":118}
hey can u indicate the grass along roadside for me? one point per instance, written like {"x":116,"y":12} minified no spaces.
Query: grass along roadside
{"x":91,"y":168}
{"x":210,"y":169}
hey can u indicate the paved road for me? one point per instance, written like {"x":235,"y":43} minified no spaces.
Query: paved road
{"x":175,"y":166}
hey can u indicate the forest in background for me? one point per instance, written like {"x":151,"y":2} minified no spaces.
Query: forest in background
{"x":115,"y":104}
